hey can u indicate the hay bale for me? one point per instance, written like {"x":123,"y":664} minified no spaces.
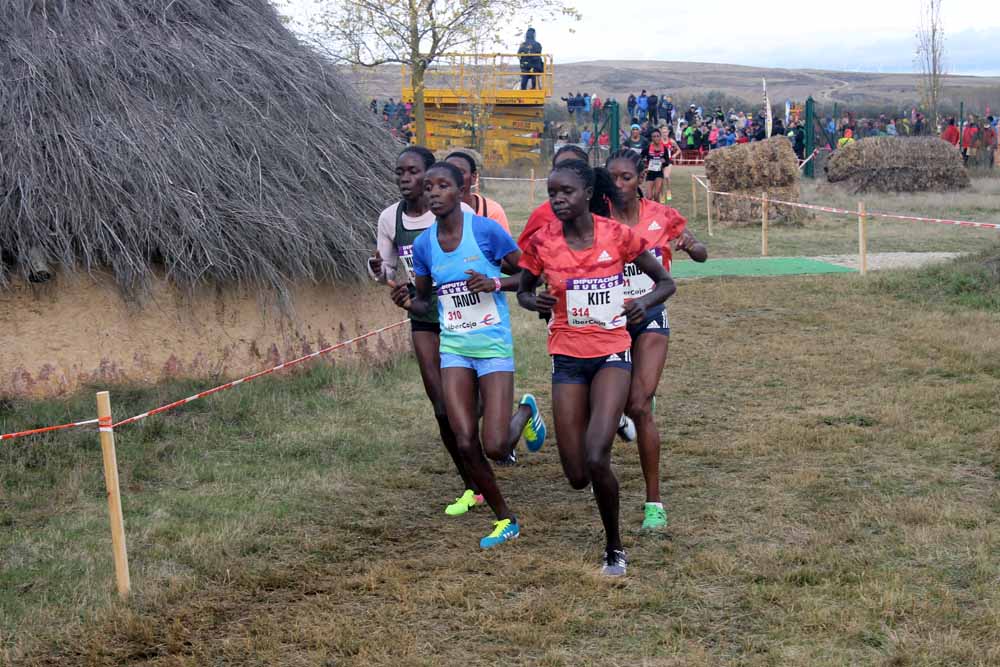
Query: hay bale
{"x":761,"y":164}
{"x":898,"y":164}
{"x":195,"y":138}
{"x":739,"y":211}
{"x":753,"y":169}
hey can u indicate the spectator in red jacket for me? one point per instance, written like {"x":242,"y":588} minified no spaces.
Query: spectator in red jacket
{"x":950,"y":133}
{"x":969,"y":138}
{"x":988,"y":143}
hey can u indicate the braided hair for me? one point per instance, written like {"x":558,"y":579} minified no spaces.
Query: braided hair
{"x":570,"y":148}
{"x":605,"y":195}
{"x":633,"y":157}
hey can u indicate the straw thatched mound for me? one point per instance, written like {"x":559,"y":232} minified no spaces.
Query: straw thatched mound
{"x":898,"y":164}
{"x":754,"y":169}
{"x":197,"y":139}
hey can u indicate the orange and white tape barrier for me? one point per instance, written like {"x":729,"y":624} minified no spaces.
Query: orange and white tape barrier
{"x":46,"y":429}
{"x":106,"y":425}
{"x":843,"y":211}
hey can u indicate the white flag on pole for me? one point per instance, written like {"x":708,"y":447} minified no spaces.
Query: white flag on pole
{"x":768,"y":115}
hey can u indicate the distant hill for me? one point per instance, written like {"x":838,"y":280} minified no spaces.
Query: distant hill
{"x":688,"y":82}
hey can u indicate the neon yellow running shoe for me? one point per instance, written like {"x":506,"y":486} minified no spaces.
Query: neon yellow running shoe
{"x":463,"y":504}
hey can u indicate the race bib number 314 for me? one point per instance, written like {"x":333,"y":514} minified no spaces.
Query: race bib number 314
{"x":463,"y":311}
{"x":596,"y":302}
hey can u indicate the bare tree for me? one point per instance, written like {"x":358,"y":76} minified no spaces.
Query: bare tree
{"x":414,"y":33}
{"x":930,"y":55}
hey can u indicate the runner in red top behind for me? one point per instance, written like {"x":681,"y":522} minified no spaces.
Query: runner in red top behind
{"x":661,"y":227}
{"x":543,"y":214}
{"x":583,"y":256}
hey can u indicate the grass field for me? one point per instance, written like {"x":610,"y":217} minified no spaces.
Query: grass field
{"x":832,"y":454}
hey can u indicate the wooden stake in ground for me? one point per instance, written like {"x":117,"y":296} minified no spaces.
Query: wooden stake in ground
{"x":532,"y":188}
{"x":114,"y":494}
{"x":763,"y":225}
{"x":694,"y":197}
{"x":862,"y":240}
{"x":708,"y":208}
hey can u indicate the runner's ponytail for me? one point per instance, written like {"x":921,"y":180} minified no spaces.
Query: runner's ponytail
{"x":606,"y":193}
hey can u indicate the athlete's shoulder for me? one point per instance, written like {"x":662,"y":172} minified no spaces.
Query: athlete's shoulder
{"x":492,"y":203}
{"x":487,"y":226}
{"x":390,"y":209}
{"x":423,"y":240}
{"x":610,"y":223}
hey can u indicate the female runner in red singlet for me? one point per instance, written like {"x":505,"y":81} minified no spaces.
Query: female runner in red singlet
{"x":583,"y":256}
{"x":663,"y":228}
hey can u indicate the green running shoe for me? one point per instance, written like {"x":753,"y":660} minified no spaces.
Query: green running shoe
{"x":466,"y":502}
{"x":656,"y":517}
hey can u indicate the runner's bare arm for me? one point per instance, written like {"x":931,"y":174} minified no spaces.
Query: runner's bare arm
{"x":663,"y":288}
{"x":420,"y":303}
{"x":510,"y":267}
{"x":400,"y":294}
{"x":543,"y":302}
{"x":692,"y":246}
{"x":375,"y":266}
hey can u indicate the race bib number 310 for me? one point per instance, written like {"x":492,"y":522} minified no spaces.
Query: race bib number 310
{"x":596,"y":302}
{"x":463,"y":311}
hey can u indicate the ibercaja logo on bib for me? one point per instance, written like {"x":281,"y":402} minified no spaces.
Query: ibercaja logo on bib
{"x":465,"y":311}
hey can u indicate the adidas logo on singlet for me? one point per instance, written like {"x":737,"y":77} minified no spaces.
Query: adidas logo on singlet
{"x":605,"y":257}
{"x":653,"y":227}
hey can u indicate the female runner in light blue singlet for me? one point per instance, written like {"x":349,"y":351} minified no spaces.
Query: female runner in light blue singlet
{"x":463,"y":257}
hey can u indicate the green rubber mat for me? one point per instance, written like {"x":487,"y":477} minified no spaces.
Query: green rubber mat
{"x":762,"y":266}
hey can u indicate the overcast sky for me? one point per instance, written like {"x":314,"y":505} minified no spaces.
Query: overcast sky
{"x":854,"y":35}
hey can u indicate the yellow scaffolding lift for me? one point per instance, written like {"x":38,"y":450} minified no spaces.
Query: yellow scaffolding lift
{"x":474,"y":100}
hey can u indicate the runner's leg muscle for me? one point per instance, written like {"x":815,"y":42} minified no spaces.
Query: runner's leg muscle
{"x":426,"y":348}
{"x":570,"y":403}
{"x":649,"y":355}
{"x":460,"y":395}
{"x":607,"y":401}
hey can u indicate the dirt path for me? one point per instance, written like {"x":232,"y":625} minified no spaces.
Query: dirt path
{"x":892,"y":260}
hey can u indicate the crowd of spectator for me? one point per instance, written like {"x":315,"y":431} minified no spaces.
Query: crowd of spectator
{"x":397,"y":116}
{"x":977,"y":140}
{"x":693,"y":130}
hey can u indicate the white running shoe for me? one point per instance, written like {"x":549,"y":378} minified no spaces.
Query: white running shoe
{"x":626,"y":429}
{"x":615,"y":563}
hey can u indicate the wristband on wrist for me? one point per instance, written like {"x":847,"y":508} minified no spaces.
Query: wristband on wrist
{"x":497,"y":285}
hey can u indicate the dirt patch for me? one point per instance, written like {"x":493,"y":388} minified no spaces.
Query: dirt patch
{"x":879,"y":261}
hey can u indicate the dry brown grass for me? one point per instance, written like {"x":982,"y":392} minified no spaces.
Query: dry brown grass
{"x":831,"y":474}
